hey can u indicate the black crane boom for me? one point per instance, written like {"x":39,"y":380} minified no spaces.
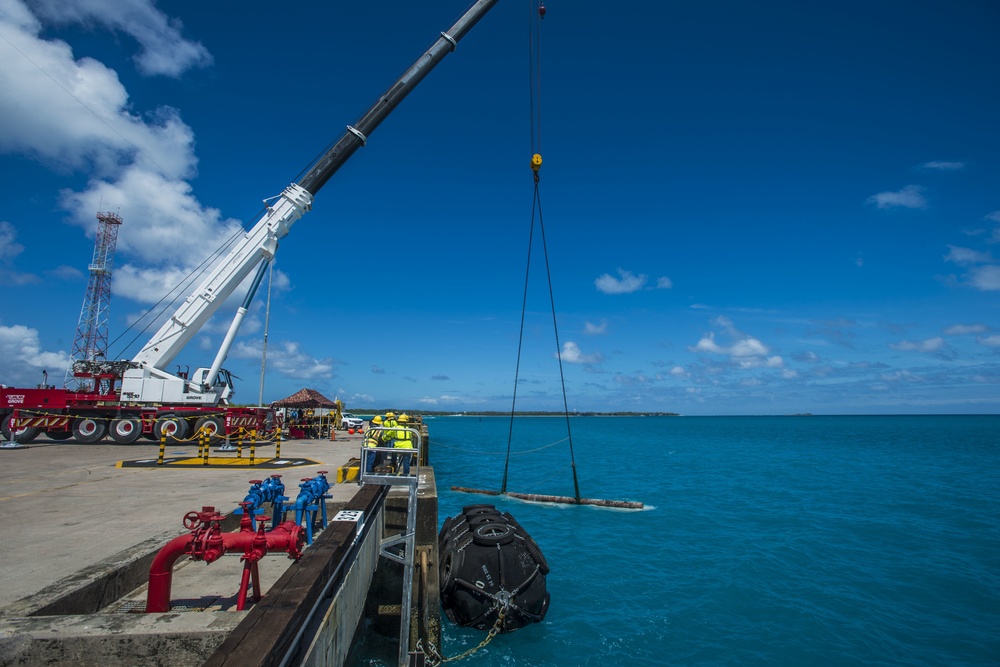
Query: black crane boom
{"x":355,"y":136}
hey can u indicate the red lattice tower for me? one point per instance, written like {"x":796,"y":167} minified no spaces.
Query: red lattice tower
{"x":91,"y":342}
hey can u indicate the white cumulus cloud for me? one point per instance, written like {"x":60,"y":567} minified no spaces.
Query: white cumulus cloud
{"x":164,"y":50}
{"x":929,"y":345}
{"x":910,"y":196}
{"x":73,"y":114}
{"x":962,"y":329}
{"x":572,"y":354}
{"x":627,"y":282}
{"x":288,"y":359}
{"x":986,"y":278}
{"x":744,"y":351}
{"x":24,"y":359}
{"x":943,"y":165}
{"x":967,"y":256}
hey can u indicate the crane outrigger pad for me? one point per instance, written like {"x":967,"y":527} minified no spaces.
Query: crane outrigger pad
{"x":565,"y":500}
{"x":218,"y":462}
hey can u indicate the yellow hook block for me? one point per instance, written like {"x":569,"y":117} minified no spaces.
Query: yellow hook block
{"x":536,"y":162}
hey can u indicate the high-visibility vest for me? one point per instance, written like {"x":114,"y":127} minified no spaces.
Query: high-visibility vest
{"x":404,"y":439}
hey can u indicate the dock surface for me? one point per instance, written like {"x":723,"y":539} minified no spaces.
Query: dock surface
{"x":66,"y":507}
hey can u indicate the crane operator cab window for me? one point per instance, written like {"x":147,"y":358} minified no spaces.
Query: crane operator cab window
{"x":223,"y":384}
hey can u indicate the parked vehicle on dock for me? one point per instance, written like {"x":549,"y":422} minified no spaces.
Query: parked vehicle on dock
{"x":129,"y":399}
{"x":347,"y":420}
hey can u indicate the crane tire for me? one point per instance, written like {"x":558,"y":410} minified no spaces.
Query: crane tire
{"x":125,"y":430}
{"x":26,"y":434}
{"x":216,"y":429}
{"x":172,"y":426}
{"x":89,"y":430}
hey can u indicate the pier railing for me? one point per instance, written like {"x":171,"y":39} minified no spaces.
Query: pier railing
{"x":399,"y":548}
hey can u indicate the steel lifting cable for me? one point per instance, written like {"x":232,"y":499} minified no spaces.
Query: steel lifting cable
{"x":536,"y":11}
{"x":534,"y":47}
{"x":534,"y":108}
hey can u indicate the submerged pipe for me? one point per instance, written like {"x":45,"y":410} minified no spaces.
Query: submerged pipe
{"x":567,"y":500}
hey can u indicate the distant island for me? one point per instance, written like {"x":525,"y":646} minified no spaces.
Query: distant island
{"x":517,"y":413}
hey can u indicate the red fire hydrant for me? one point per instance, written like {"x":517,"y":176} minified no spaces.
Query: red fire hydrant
{"x":207,"y":542}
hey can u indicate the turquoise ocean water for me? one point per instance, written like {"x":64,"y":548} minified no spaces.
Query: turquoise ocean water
{"x":765,"y":540}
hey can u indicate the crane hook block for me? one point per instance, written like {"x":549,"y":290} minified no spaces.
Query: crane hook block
{"x":541,"y":10}
{"x":536,"y":162}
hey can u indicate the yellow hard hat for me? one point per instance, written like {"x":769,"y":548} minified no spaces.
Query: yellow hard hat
{"x":404,"y":417}
{"x":390,"y":415}
{"x":377,"y":419}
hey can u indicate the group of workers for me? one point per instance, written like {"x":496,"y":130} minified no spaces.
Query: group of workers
{"x":389,"y":431}
{"x":303,"y":424}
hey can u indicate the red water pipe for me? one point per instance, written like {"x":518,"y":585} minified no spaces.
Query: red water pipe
{"x":207,"y":542}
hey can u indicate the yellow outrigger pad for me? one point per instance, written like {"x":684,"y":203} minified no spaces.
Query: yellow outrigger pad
{"x":218,"y":462}
{"x":349,"y":472}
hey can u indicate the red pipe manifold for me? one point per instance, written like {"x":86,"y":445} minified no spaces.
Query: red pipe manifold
{"x":207,"y":542}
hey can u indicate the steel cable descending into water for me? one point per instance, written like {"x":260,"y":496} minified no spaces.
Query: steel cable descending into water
{"x":537,"y":12}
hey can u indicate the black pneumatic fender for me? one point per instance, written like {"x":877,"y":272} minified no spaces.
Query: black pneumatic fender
{"x":487,"y":562}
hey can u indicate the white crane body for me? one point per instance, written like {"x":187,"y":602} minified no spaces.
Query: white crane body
{"x":140,"y":396}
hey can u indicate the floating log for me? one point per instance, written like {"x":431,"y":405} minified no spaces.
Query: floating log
{"x":566,"y":500}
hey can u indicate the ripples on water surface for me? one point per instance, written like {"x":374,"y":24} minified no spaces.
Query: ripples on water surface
{"x":766,"y":540}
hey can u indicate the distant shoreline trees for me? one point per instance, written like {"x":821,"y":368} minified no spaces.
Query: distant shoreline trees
{"x":517,"y":413}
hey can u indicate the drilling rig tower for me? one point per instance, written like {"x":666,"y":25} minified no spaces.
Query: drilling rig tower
{"x":91,"y":343}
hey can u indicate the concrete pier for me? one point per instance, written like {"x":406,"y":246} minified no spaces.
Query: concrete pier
{"x":77,"y":536}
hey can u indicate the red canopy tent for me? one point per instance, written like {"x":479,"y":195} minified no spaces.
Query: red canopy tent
{"x":304,"y":399}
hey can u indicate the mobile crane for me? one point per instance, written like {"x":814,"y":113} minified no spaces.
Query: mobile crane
{"x":129,"y":399}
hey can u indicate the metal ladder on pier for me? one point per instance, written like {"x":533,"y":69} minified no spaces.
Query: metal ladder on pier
{"x":399,"y":548}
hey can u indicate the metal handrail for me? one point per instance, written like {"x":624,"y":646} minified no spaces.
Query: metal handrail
{"x":408,"y":538}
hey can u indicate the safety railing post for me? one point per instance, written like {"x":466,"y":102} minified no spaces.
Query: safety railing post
{"x":407,"y":539}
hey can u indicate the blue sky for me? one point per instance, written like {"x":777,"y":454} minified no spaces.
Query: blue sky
{"x":749,"y":208}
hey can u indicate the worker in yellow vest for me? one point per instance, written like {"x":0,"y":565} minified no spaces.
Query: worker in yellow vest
{"x":389,"y":422}
{"x":404,"y":440}
{"x":373,"y":438}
